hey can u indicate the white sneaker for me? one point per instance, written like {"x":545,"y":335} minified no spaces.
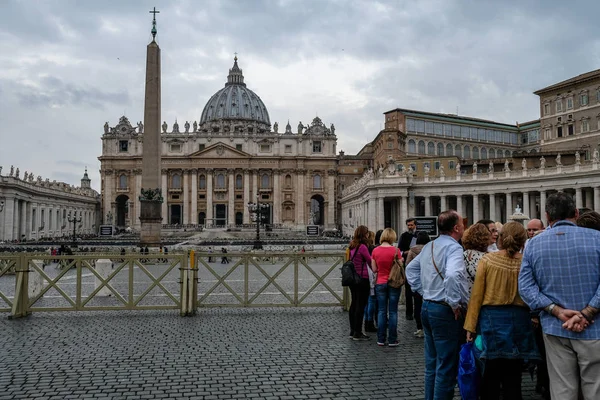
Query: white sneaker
{"x":419,"y":333}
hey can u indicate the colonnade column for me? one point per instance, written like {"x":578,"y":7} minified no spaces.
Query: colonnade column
{"x":578,"y":198}
{"x":493,"y":206}
{"x":543,"y":207}
{"x":107,"y":197}
{"x":231,"y":200}
{"x":194,"y":195}
{"x":300,"y":206}
{"x":276,"y":197}
{"x":164,"y":189}
{"x":596,"y":199}
{"x":443,"y":203}
{"x":209,"y":196}
{"x":138,"y":187}
{"x":404,"y":213}
{"x":508,"y":206}
{"x":371,"y":221}
{"x":427,"y":206}
{"x":380,"y":215}
{"x":526,"y":203}
{"x":459,"y":205}
{"x":28,"y":217}
{"x":186,"y":196}
{"x":246,"y":196}
{"x":475,"y":208}
{"x":331,"y":206}
{"x":9,"y":209}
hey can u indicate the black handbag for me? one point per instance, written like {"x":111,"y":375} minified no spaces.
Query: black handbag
{"x":349,"y":275}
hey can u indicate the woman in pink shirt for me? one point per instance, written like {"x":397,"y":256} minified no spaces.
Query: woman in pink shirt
{"x":383,"y":258}
{"x":359,"y":253}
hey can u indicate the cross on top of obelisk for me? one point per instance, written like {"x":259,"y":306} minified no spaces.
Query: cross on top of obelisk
{"x":153,"y":31}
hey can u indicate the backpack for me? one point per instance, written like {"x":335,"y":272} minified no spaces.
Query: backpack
{"x":349,"y":275}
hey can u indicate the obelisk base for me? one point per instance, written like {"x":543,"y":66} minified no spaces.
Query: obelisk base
{"x":151,"y":221}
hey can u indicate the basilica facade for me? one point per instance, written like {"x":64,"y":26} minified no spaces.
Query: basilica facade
{"x":213,"y":168}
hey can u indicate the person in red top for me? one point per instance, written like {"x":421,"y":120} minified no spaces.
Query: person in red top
{"x":359,"y":253}
{"x":383,"y":258}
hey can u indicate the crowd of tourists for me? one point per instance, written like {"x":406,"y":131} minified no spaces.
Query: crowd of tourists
{"x":525,"y":297}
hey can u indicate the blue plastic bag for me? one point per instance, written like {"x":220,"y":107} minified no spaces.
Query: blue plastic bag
{"x":468,"y":375}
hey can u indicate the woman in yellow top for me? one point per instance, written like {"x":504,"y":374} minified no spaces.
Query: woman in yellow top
{"x":499,"y":315}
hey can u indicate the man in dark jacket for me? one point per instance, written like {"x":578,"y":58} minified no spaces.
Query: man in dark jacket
{"x":407,"y":240}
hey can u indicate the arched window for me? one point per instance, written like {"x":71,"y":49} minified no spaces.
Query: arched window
{"x":483,"y":153}
{"x":176,"y":181}
{"x":449,"y":150}
{"x":440,"y":149}
{"x":506,"y":153}
{"x":264,"y":181}
{"x":476,"y":152}
{"x":288,"y":181}
{"x":421,"y":147}
{"x":458,"y":151}
{"x":238,"y":182}
{"x":202,"y":182}
{"x":412,"y":147}
{"x":317,"y":182}
{"x":492,"y":153}
{"x":431,"y":149}
{"x":220,"y":181}
{"x":467,"y":152}
{"x":123,"y":181}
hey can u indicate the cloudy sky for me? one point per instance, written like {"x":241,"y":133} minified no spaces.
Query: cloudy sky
{"x":69,"y":66}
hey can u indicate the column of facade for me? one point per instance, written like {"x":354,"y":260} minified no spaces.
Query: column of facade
{"x":526,"y":203}
{"x":372,"y":213}
{"x":300,"y":190}
{"x":476,"y":216}
{"x":9,"y":210}
{"x":108,"y":198}
{"x":194,"y":196}
{"x":231,"y":200}
{"x":276,"y":197}
{"x":246,"y":196}
{"x":427,"y":206}
{"x":405,"y":215}
{"x":380,"y":216}
{"x":493,"y":206}
{"x":186,"y":196}
{"x":578,"y":198}
{"x":28,"y":219}
{"x":17,"y":220}
{"x":596,"y":199}
{"x":543,"y":207}
{"x":509,"y":210}
{"x":138,"y":190}
{"x":165,"y":194}
{"x":331,"y":203}
{"x":209,"y":196}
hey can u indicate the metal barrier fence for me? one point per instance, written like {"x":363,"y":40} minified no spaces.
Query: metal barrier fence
{"x":41,"y":282}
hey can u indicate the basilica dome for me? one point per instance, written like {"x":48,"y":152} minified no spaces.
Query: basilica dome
{"x":236,"y":102}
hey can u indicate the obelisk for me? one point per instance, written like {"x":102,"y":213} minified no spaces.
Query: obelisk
{"x":151,"y":195}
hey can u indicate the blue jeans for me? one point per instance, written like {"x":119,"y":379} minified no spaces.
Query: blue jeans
{"x":370,"y":310}
{"x":387,"y":296}
{"x":443,"y":335}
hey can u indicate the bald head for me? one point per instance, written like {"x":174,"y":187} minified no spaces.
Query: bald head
{"x":533,"y":227}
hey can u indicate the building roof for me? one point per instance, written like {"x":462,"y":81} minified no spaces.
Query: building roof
{"x":455,"y":118}
{"x":571,"y":81}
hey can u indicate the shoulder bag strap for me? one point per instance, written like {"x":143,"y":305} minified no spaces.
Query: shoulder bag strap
{"x":434,"y":264}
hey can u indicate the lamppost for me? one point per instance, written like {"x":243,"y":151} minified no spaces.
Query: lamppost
{"x":75,"y":220}
{"x":258,"y":209}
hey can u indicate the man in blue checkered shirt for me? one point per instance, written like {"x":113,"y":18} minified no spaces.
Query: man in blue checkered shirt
{"x":560,"y":274}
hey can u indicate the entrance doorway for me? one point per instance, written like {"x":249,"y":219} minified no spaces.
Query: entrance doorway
{"x":220,"y":215}
{"x":122,"y":210}
{"x":201,"y":218}
{"x":239,"y":218}
{"x":175,"y":214}
{"x":317,"y":211}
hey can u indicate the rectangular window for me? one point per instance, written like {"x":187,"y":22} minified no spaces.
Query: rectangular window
{"x":123,"y":146}
{"x":429,"y":127}
{"x":598,"y":96}
{"x":569,"y":103}
{"x":558,"y":106}
{"x":585,"y":125}
{"x":451,"y":164}
{"x":559,"y":131}
{"x":390,"y":145}
{"x":238,"y":147}
{"x":201,"y":146}
{"x":583,"y":99}
{"x":546,"y":109}
{"x":455,"y":130}
{"x":473,"y":135}
{"x":547,"y":134}
{"x":447,"y":130}
{"x":175,"y":148}
{"x":265,"y":148}
{"x":413,"y":167}
{"x":571,"y":129}
{"x":410,"y":125}
{"x":464,"y":132}
{"x":288,"y":148}
{"x":317,"y":146}
{"x":420,"y":126}
{"x":438,"y":130}
{"x":489,"y":135}
{"x":436,"y":165}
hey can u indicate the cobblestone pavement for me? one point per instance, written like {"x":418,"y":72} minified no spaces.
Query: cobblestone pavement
{"x":221,"y":353}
